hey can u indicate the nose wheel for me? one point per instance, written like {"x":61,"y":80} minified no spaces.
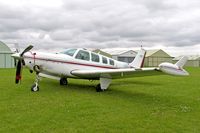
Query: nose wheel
{"x":35,"y":86}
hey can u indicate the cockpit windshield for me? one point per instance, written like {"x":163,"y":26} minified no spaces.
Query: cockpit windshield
{"x":69,"y":52}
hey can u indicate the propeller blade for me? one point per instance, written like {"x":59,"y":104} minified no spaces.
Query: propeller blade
{"x":18,"y":72}
{"x":26,"y":50}
{"x":20,"y":63}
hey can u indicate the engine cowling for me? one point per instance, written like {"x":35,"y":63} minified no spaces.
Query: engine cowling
{"x":172,"y":69}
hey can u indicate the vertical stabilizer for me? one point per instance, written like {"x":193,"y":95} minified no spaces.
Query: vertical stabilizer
{"x":181,"y":62}
{"x":139,"y":59}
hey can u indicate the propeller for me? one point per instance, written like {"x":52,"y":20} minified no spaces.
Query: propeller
{"x":18,"y":72}
{"x":26,"y":50}
{"x":20,"y":63}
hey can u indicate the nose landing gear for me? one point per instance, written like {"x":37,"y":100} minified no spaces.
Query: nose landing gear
{"x":35,"y":86}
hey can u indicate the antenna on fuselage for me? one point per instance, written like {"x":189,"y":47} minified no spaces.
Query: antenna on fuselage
{"x":141,"y":45}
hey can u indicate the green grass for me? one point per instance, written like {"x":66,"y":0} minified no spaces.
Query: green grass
{"x":153,"y":104}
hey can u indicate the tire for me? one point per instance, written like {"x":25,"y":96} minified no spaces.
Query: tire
{"x":98,"y":88}
{"x":63,"y":81}
{"x":35,"y":88}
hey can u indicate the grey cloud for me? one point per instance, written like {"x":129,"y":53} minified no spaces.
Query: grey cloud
{"x":8,"y":12}
{"x":101,"y":24}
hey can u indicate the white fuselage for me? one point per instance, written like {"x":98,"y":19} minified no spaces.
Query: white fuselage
{"x":62,"y":65}
{"x":84,"y":64}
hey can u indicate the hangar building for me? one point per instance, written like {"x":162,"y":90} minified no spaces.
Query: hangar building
{"x":152,"y":58}
{"x":122,"y":55}
{"x":193,"y":60}
{"x":6,"y":61}
{"x":155,"y":57}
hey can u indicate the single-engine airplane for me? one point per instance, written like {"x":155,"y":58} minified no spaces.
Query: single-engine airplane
{"x":85,"y":64}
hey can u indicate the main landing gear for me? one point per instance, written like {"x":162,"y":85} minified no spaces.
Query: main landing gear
{"x":104,"y":84}
{"x":35,"y":86}
{"x":98,"y":88}
{"x":63,"y":81}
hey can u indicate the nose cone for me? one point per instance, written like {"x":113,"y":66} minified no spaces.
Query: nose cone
{"x":16,"y":55}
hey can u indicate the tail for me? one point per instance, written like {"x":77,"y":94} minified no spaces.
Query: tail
{"x":139,"y":59}
{"x":175,"y":69}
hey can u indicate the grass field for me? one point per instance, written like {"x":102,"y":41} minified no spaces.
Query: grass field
{"x":153,"y":104}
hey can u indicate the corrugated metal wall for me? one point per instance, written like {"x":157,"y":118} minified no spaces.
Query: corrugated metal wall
{"x":155,"y":61}
{"x":6,"y":61}
{"x":191,"y":63}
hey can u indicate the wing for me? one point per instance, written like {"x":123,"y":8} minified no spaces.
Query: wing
{"x":116,"y":73}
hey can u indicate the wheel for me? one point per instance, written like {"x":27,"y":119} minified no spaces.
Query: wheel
{"x":31,"y":71}
{"x":63,"y":81}
{"x":98,"y":88}
{"x":35,"y":88}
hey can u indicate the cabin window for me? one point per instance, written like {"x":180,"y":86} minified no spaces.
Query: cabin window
{"x":95,"y":57}
{"x":83,"y":55}
{"x":69,"y":52}
{"x":111,"y":62}
{"x":104,"y":60}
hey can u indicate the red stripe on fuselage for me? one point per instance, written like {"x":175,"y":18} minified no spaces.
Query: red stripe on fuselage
{"x":67,"y":62}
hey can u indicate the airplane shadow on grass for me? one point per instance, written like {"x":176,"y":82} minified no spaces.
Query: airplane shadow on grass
{"x":86,"y":85}
{"x":134,"y":96}
{"x":128,"y":82}
{"x":114,"y":88}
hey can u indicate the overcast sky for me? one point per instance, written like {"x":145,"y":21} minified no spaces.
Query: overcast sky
{"x":173,"y":25}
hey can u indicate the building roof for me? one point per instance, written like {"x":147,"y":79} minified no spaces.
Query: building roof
{"x":151,"y":52}
{"x":4,"y":48}
{"x":154,"y":51}
{"x":190,"y":57}
{"x":101,"y":52}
